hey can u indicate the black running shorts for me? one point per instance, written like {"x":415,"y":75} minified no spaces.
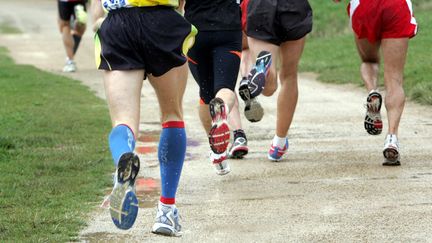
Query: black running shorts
{"x":150,"y":38}
{"x":277,"y":21}
{"x":214,"y":61}
{"x":66,"y":9}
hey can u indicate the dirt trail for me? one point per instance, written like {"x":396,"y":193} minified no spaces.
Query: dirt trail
{"x":332,"y":187}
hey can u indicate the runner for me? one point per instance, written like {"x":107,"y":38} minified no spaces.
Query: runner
{"x":277,"y":27}
{"x":214,"y":62}
{"x":71,"y":13}
{"x":385,"y":25}
{"x":138,"y":40}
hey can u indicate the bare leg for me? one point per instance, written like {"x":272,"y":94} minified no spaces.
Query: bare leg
{"x":291,"y":52}
{"x":79,"y":29}
{"x":228,"y":96}
{"x":169,"y":89}
{"x":77,"y":34}
{"x":246,"y":60}
{"x":68,"y":42}
{"x":205,"y":117}
{"x":369,"y":69}
{"x":256,"y":46}
{"x":394,"y":54}
{"x":234,"y":116}
{"x":123,"y":92}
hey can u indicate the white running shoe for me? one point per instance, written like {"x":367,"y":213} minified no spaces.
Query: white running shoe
{"x":69,"y":67}
{"x":167,"y":221}
{"x":391,"y":151}
{"x":219,"y":161}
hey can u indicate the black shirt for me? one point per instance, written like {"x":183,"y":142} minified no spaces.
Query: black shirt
{"x":211,"y":15}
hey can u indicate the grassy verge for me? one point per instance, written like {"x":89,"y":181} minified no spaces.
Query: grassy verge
{"x":53,"y":154}
{"x":330,"y":49}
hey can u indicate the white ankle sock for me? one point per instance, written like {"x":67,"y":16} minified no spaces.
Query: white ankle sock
{"x":278,"y":141}
{"x":167,"y":205}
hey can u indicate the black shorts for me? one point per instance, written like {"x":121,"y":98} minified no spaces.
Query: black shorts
{"x":149,"y":38}
{"x":277,"y":21}
{"x":66,"y":9}
{"x":214,"y":61}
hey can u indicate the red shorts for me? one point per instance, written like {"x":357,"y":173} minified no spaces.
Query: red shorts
{"x":381,"y":19}
{"x":243,"y":7}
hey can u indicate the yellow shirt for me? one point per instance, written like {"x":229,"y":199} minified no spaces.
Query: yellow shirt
{"x":116,"y":4}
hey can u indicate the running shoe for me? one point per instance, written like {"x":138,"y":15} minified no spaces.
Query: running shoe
{"x":239,"y":148}
{"x":219,"y":161}
{"x":167,"y":221}
{"x":123,"y":200}
{"x":219,"y":133}
{"x":276,"y":153}
{"x":80,"y":14}
{"x":253,"y":110}
{"x":391,"y":151}
{"x":258,"y":73}
{"x":69,"y":67}
{"x":372,"y":122}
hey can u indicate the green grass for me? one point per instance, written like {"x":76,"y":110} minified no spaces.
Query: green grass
{"x":330,"y":49}
{"x":7,"y":27}
{"x":54,"y":161}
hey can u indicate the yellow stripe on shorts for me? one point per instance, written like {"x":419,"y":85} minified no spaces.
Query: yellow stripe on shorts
{"x":189,"y":40}
{"x":98,"y":53}
{"x":98,"y":50}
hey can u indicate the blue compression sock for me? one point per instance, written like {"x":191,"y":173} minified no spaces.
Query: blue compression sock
{"x":121,"y":140}
{"x":171,"y":153}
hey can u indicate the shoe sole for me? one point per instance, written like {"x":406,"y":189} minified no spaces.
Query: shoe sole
{"x":373,"y":123}
{"x":256,"y":84}
{"x":274,"y":159}
{"x":258,"y":77}
{"x":391,"y":157}
{"x":162,"y":229}
{"x":123,"y":201}
{"x":239,"y":153}
{"x":253,"y":110}
{"x":219,"y":134}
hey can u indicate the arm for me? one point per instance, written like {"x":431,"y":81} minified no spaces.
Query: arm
{"x":98,"y":14}
{"x":180,"y":8}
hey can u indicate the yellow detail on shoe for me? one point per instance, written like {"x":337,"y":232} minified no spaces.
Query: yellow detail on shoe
{"x":80,"y":14}
{"x":189,"y":40}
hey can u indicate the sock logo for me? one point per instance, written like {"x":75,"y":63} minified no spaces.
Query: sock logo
{"x":131,"y":139}
{"x":163,"y":152}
